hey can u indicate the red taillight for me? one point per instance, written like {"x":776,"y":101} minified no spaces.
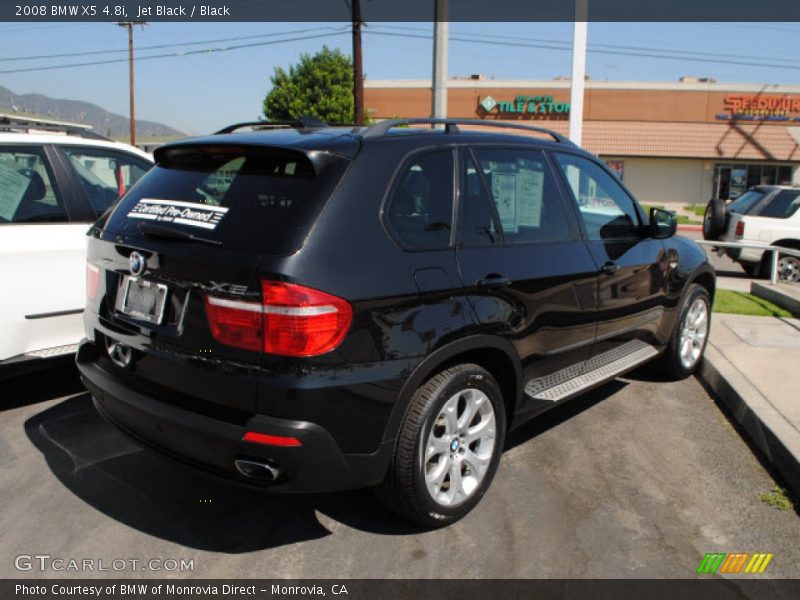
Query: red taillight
{"x":271,"y":440}
{"x":92,"y":281}
{"x":235,"y":323}
{"x":300,"y":321}
{"x":292,"y":320}
{"x":120,"y":183}
{"x":740,"y":229}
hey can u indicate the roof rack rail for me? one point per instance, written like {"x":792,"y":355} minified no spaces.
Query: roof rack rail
{"x":301,"y":123}
{"x":17,"y":124}
{"x":451,"y":126}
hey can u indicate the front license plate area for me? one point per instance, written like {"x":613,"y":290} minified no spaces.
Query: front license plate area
{"x":143,"y":300}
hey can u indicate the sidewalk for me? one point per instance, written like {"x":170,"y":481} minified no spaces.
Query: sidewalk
{"x":678,"y":209}
{"x":753,"y":366}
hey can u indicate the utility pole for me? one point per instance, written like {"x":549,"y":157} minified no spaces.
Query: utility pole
{"x":358,"y":66}
{"x":578,"y":71}
{"x":129,"y":26}
{"x":441,"y":29}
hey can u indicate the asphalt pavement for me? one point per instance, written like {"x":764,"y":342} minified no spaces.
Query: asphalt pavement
{"x":639,"y":478}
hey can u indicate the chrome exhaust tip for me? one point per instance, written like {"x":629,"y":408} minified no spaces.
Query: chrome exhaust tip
{"x":257,"y":470}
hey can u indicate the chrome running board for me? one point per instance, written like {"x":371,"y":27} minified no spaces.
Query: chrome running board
{"x":52,"y":352}
{"x":600,"y":368}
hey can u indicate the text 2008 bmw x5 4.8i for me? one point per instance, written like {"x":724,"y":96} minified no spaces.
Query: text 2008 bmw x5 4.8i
{"x":317,"y":308}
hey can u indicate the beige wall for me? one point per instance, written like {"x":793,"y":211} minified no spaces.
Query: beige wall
{"x":665,"y":180}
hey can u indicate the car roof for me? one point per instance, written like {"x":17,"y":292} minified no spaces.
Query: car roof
{"x":775,"y":187}
{"x":69,"y":140}
{"x":347,"y":141}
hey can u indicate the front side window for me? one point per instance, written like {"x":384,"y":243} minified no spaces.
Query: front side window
{"x":420,"y":209}
{"x":782,"y":206}
{"x":608,"y":212}
{"x":105,"y":175}
{"x":27,"y":194}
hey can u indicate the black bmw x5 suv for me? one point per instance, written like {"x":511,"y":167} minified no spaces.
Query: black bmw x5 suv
{"x":315,"y":308}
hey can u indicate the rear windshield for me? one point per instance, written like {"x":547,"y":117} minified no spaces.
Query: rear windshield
{"x":261,"y":200}
{"x":745,"y":202}
{"x":782,"y":206}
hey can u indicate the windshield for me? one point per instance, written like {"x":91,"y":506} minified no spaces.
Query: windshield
{"x":257,"y":199}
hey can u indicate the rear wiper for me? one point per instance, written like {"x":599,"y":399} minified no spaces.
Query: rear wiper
{"x":152,"y":230}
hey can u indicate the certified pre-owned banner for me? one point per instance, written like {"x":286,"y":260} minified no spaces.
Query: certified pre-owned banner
{"x":392,"y":10}
{"x":403,"y":589}
{"x":176,"y":211}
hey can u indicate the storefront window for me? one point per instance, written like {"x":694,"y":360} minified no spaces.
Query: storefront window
{"x":731,"y":180}
{"x":617,"y":167}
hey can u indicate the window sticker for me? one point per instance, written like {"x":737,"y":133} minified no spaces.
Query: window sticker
{"x":504,"y":190}
{"x":176,"y":211}
{"x":530,"y":192}
{"x":13,"y":186}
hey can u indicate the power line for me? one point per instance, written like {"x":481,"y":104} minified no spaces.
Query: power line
{"x":538,"y":43}
{"x":594,"y":51}
{"x":172,"y":55}
{"x":561,"y":45}
{"x":174,"y":45}
{"x":566,"y":45}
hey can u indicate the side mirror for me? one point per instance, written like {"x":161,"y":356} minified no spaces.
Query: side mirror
{"x":663,"y":223}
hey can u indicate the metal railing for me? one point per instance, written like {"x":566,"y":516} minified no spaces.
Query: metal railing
{"x":776,"y":252}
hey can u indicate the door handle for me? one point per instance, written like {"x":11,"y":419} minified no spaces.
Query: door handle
{"x":494,"y":282}
{"x":610,"y":268}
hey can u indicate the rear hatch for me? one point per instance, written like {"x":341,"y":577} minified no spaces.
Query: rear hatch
{"x":192,"y":231}
{"x":739,"y":207}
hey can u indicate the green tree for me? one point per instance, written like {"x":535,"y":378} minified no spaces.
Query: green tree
{"x":318,"y":86}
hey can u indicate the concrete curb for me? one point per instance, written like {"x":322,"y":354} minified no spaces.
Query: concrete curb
{"x":690,"y":228}
{"x":771,"y":433}
{"x":776,"y":296}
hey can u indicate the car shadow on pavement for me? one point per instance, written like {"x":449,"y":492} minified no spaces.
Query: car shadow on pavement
{"x":55,"y":379}
{"x":167,"y":499}
{"x":164,"y":498}
{"x":559,"y":414}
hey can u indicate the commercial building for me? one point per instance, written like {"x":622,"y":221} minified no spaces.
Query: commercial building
{"x":682,"y":142}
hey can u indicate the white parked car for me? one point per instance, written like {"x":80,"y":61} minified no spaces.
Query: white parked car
{"x":765,"y":214}
{"x":56,"y":179}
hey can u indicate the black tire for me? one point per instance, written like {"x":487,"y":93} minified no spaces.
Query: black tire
{"x":404,"y":490}
{"x":753,"y":270}
{"x":714,"y":219}
{"x":671,"y":363}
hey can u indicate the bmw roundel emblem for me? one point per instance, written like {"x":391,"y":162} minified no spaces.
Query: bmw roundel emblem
{"x":137,"y":263}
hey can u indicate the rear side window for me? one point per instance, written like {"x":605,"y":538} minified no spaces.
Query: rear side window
{"x":526,"y":199}
{"x":744,"y":203}
{"x":27,"y":194}
{"x":257,"y":199}
{"x":782,"y":206}
{"x":420,"y":209}
{"x":105,"y":175}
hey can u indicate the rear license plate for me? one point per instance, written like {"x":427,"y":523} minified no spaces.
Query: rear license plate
{"x":142,"y":299}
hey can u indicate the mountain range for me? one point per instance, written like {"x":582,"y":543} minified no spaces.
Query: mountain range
{"x":102,"y":121}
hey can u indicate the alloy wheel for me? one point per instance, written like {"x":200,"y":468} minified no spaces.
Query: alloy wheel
{"x":694,"y":333}
{"x":459,"y":447}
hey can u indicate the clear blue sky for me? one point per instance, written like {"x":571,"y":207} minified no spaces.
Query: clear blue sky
{"x":202,"y":92}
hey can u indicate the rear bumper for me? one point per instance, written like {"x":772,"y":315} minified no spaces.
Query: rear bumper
{"x":317,"y":465}
{"x":747,"y":255}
